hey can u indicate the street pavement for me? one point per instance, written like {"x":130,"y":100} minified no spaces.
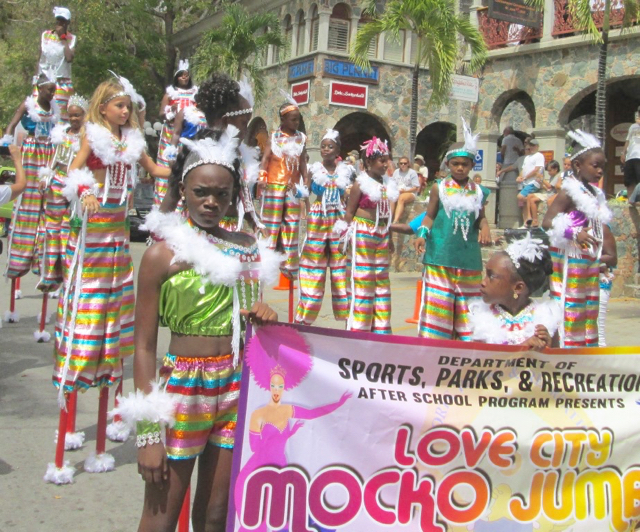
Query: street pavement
{"x":112,"y":502}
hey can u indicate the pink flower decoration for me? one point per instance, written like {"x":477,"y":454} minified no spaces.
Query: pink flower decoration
{"x":375,"y":146}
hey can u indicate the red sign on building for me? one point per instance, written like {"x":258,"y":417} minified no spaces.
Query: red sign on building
{"x":300,"y":92}
{"x":349,"y":94}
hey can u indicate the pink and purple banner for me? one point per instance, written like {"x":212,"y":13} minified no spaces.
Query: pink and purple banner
{"x":358,"y":432}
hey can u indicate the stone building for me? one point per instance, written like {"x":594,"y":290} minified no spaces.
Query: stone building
{"x":538,"y":80}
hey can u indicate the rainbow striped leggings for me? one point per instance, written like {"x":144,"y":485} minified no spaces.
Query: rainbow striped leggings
{"x":581,"y":297}
{"x":281,"y":217}
{"x":370,"y":286}
{"x":322,"y":248}
{"x":445,"y":302}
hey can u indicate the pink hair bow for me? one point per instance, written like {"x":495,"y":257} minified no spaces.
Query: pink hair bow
{"x":375,"y":146}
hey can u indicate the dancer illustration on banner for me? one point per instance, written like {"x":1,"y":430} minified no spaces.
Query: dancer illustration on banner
{"x":270,"y":426}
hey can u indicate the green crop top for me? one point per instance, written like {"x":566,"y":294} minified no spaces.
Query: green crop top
{"x":191,"y":306}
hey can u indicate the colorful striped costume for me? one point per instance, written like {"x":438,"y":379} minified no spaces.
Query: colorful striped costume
{"x":206,"y":389}
{"x":370,"y":289}
{"x":94,"y":327}
{"x":322,"y":247}
{"x":52,"y":57}
{"x":575,"y":281}
{"x":453,"y":263}
{"x":181,"y":98}
{"x":27,"y":227}
{"x":280,"y":211}
{"x":56,"y":211}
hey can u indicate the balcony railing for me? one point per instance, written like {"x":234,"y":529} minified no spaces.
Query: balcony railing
{"x":499,"y":33}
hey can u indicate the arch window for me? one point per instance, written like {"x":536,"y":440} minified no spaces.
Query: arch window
{"x":300,"y":33}
{"x":339,"y":28}
{"x":288,"y":32}
{"x":315,"y":27}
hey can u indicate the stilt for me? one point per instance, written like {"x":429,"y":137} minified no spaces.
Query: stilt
{"x":11,"y":316}
{"x":60,"y":472}
{"x":118,"y":430}
{"x":18,"y":291}
{"x":291,"y":287}
{"x":183,"y":520}
{"x":41,"y":335}
{"x":101,"y":461}
{"x":416,"y":306}
{"x":73,"y":440}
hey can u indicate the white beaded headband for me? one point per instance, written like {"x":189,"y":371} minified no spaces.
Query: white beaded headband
{"x":78,"y":101}
{"x":247,"y":93}
{"x":584,"y":139}
{"x":222,"y":152}
{"x":526,"y":248}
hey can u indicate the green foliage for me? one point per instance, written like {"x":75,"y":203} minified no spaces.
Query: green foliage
{"x":130,"y":37}
{"x":439,"y":32}
{"x":238,"y":45}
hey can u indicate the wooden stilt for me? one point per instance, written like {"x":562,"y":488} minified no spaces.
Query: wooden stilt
{"x":101,"y":435}
{"x":62,"y":436}
{"x":183,"y":520}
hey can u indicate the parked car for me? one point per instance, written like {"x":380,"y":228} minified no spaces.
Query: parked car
{"x":142,"y":203}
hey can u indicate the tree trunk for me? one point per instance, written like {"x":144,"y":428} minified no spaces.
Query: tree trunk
{"x":601,"y":88}
{"x":413,"y":118}
{"x":170,"y":49}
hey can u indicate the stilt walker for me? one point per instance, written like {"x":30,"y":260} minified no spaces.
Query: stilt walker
{"x":322,"y":248}
{"x":283,"y":164}
{"x":578,"y":233}
{"x":57,"y":49}
{"x":94,"y":328}
{"x":179,"y":95}
{"x":37,"y":114}
{"x":368,"y":220}
{"x":66,"y":140}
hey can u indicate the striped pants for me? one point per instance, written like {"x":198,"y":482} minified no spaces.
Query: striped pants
{"x":581,"y":297}
{"x":64,"y":91}
{"x":281,"y":217}
{"x":56,"y":214}
{"x":445,"y":302}
{"x":322,"y":248}
{"x":370,"y":286}
{"x":27,"y":224}
{"x":162,"y":183}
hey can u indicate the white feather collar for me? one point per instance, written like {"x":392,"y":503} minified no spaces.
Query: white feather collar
{"x":194,"y":115}
{"x":110,"y":150}
{"x":179,"y":94}
{"x":373,"y":189}
{"x":58,"y":133}
{"x":251,"y":163}
{"x":460,"y":201}
{"x":321,"y":176}
{"x":594,"y":207}
{"x":38,"y":114}
{"x":290,"y":147}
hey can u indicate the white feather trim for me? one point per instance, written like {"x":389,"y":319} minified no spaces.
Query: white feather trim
{"x":118,"y":431}
{"x":64,"y":475}
{"x":461,"y":202}
{"x":208,"y":151}
{"x":33,"y":110}
{"x":44,"y":173}
{"x":288,"y":147}
{"x":7,"y":140}
{"x":18,"y":294}
{"x":157,"y":406}
{"x":72,"y":440}
{"x":77,"y":178}
{"x":103,"y":144}
{"x":321,"y":177}
{"x":99,"y":463}
{"x":557,"y":237}
{"x":301,"y":191}
{"x":393,"y":193}
{"x":370,"y":187}
{"x":181,"y":94}
{"x":594,"y":207}
{"x":194,"y":116}
{"x":12,"y":317}
{"x":270,"y":262}
{"x":169,"y":113}
{"x":340,"y":227}
{"x":251,"y":161}
{"x":549,"y":313}
{"x":171,"y":152}
{"x":58,"y":133}
{"x":246,"y":91}
{"x":42,"y":337}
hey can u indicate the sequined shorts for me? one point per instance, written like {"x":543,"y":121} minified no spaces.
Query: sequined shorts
{"x":207,"y":391}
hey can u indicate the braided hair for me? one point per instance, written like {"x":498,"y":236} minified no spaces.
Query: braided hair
{"x":217,"y":96}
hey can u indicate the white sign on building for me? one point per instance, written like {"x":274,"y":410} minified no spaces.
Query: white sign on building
{"x":464,"y":88}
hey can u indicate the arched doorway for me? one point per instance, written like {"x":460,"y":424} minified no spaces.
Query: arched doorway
{"x":514,"y":108}
{"x":356,"y":128}
{"x":432,"y":143}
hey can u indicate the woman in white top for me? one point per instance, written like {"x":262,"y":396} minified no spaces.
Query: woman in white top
{"x":408,"y":184}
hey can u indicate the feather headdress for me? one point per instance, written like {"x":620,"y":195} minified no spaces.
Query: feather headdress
{"x":470,"y":147}
{"x":223,"y":152}
{"x":374,"y":147}
{"x":127,"y":90}
{"x":527,"y":248}
{"x":48,"y":75}
{"x":584,"y":139}
{"x":183,"y":66}
{"x":291,"y":104}
{"x":332,"y":134}
{"x":246,"y":91}
{"x":62,"y":12}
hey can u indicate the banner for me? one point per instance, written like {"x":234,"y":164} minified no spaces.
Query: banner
{"x":360,"y":433}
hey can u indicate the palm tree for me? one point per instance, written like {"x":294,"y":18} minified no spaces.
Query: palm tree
{"x":438,"y":30}
{"x":238,"y":45}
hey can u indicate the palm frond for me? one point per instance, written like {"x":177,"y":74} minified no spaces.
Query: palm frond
{"x":580,"y":10}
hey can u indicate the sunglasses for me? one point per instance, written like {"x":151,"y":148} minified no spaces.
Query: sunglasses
{"x":403,"y":163}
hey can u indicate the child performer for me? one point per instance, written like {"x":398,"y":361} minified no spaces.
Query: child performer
{"x":507,"y":315}
{"x":577,"y":223}
{"x":57,"y":50}
{"x":94,"y":328}
{"x":202,"y":282}
{"x":452,"y":231}
{"x":66,"y":139}
{"x":284,"y":161}
{"x":179,"y":95}
{"x":38,"y":115}
{"x":327,"y":180}
{"x":368,"y":220}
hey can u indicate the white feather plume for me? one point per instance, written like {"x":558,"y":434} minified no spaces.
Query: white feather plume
{"x":251,"y":161}
{"x":208,"y":151}
{"x":527,"y":248}
{"x":288,"y":97}
{"x":127,"y":86}
{"x":183,"y":65}
{"x":584,"y":139}
{"x":331,"y":134}
{"x":470,"y":140}
{"x":246,"y":91}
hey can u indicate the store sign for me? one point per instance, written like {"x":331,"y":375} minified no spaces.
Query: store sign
{"x":346,"y":70}
{"x":348,"y":94}
{"x":300,"y":92}
{"x":548,"y":156}
{"x":464,"y":88}
{"x":302,"y":70}
{"x":516,"y":12}
{"x":620,"y":131}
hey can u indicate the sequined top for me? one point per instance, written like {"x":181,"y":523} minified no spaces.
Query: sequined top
{"x":284,"y":162}
{"x":192,"y":306}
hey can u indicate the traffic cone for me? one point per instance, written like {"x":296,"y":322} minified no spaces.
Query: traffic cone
{"x":284,"y":283}
{"x":416,"y":306}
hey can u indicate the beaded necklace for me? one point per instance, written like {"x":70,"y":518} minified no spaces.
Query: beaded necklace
{"x":459,"y":202}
